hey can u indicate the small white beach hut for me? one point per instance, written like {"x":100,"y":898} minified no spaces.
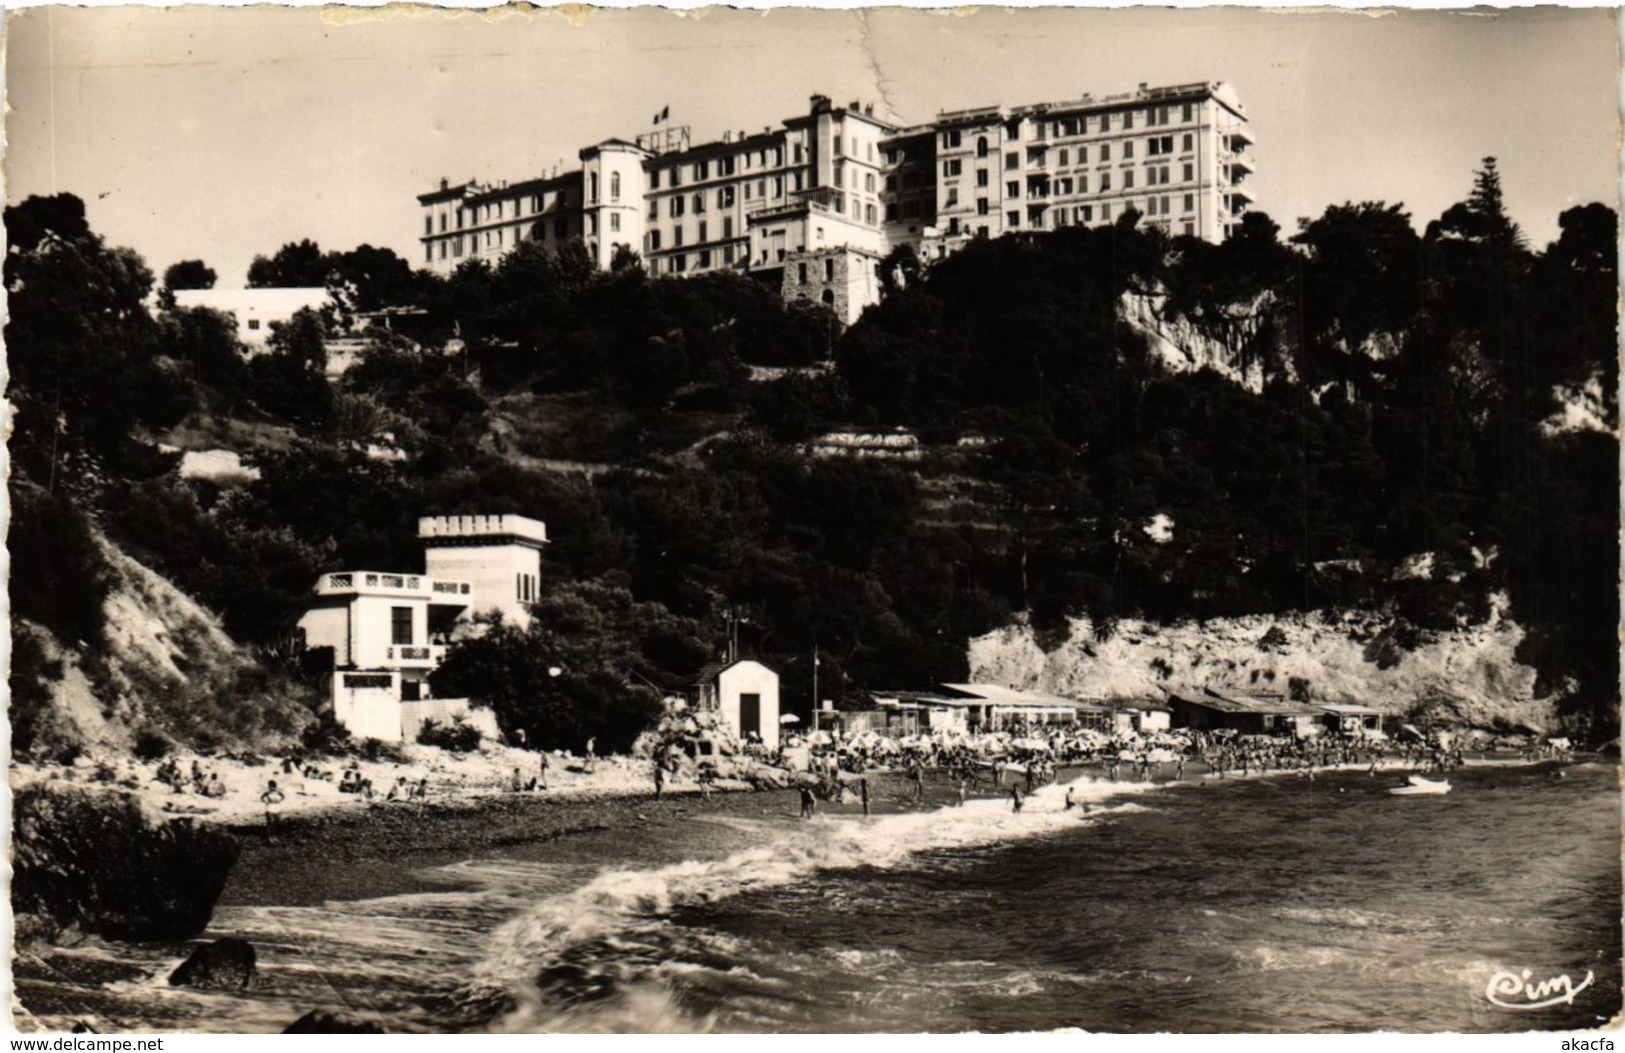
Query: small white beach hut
{"x":746,"y":694}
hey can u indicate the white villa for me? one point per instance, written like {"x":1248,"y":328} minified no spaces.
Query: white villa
{"x":388,"y":631}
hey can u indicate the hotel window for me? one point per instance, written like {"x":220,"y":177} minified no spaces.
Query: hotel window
{"x":981,"y":232}
{"x":676,"y":176}
{"x":1012,"y":131}
{"x":654,"y":209}
{"x":615,"y":186}
{"x":679,"y":263}
{"x":1061,"y":157}
{"x":1190,"y":228}
{"x":1190,"y":171}
{"x":953,"y":198}
{"x":428,"y":224}
{"x":1088,"y":213}
{"x":727,"y":255}
{"x":950,"y":140}
{"x":1164,"y":206}
{"x":428,"y":253}
{"x":801,"y":272}
{"x":1012,"y":219}
{"x":535,"y":203}
{"x":699,"y":204}
{"x":1105,"y":181}
{"x":676,"y":206}
{"x":950,"y":168}
{"x":981,"y":146}
{"x":1187,"y":111}
{"x":443,"y":222}
{"x":615,"y":222}
{"x":1190,"y":202}
{"x":592,"y":226}
{"x":1012,"y":161}
{"x":654,"y":179}
{"x":725,"y":197}
{"x":702,"y":234}
{"x":1105,"y":212}
{"x":400,"y":625}
{"x":677,"y":237}
{"x":1105,"y":151}
{"x":869,"y":214}
{"x":981,"y":177}
{"x":1128,"y":179}
{"x":869,"y":182}
{"x":1186,"y":141}
{"x":837,"y":142}
{"x":981,"y":206}
{"x":592,"y":194}
{"x":702,"y":170}
{"x":778,"y":157}
{"x":1128,"y":119}
{"x":829,"y":269}
{"x":654,"y":241}
{"x":778,"y":186}
{"x":705,"y":259}
{"x":1128,"y":149}
{"x":1083,"y":184}
{"x":1012,"y":189}
{"x":761,"y":188}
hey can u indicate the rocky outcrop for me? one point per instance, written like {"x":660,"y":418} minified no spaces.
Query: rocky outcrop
{"x":104,"y":863}
{"x":224,"y":965}
{"x":1470,"y":676}
{"x":327,"y":1022}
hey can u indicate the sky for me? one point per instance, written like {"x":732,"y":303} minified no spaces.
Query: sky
{"x":222,"y":133}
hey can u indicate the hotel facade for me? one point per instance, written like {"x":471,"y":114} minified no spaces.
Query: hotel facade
{"x":812,"y":207}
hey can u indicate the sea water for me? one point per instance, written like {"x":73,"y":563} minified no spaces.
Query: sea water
{"x":1268,"y":904}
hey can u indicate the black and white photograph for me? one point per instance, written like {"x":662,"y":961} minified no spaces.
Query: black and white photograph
{"x":813,"y":521}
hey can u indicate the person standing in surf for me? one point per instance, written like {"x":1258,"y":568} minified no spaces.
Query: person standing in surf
{"x":1017,"y":798}
{"x":272,"y":798}
{"x":660,"y":780}
{"x":863,"y":794}
{"x":809,"y":806}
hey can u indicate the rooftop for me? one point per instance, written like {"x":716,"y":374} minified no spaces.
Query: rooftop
{"x":505,"y":527}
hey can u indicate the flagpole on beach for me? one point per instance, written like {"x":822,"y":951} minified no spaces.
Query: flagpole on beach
{"x":815,"y":689}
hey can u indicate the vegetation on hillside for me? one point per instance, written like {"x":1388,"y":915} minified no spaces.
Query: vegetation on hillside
{"x":1398,"y":455}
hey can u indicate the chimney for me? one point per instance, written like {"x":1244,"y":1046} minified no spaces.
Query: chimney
{"x":445,"y":184}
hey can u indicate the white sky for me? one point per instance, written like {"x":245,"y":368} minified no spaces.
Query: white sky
{"x":220,"y":133}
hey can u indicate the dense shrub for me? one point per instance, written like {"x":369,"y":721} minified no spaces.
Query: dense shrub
{"x":458,"y":736}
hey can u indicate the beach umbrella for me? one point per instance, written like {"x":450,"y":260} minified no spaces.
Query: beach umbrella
{"x":789,"y":718}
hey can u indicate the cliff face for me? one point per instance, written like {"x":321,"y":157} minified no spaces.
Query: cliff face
{"x":163,"y":665}
{"x":1469,"y":676}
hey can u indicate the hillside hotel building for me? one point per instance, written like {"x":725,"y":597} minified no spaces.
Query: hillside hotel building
{"x":812,"y":206}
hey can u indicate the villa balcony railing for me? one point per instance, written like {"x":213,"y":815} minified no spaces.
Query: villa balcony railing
{"x":437,"y":589}
{"x":407,"y":654}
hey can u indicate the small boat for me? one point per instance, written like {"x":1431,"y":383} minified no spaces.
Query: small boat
{"x":1421,"y":787}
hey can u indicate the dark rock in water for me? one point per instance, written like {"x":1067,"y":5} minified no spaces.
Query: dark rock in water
{"x":327,"y":1022}
{"x":100,"y":860}
{"x":224,"y":965}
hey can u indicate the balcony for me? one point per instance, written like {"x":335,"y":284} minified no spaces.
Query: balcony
{"x":1239,"y":137}
{"x":414,"y":586}
{"x":406,"y":655}
{"x":1240,"y":166}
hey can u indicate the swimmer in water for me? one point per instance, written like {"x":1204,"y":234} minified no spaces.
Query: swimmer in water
{"x":1071,"y":803}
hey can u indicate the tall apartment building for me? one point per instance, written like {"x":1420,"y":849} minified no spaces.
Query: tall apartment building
{"x":812,"y":206}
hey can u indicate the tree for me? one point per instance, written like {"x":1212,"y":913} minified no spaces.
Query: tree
{"x":189,"y":274}
{"x":296,"y":265}
{"x":540,"y":683}
{"x":80,"y":343}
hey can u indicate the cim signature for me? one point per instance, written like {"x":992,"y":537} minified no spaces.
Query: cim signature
{"x":1509,"y":985}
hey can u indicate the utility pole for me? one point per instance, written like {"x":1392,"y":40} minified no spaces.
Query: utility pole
{"x":815,"y":689}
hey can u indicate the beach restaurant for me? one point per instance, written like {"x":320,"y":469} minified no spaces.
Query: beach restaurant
{"x":1350,"y":719}
{"x":959,"y":708}
{"x":1249,"y":713}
